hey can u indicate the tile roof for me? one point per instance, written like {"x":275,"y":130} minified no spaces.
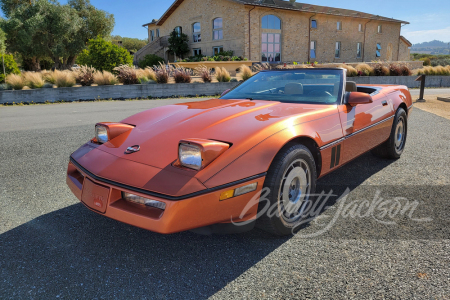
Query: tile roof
{"x":302,"y":7}
{"x":310,"y":8}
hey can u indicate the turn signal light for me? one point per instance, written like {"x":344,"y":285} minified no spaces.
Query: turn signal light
{"x":239,"y":191}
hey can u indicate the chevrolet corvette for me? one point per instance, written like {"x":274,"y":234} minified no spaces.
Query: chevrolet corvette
{"x":203,"y":165}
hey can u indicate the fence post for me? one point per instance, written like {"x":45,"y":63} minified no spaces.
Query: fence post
{"x":421,"y":78}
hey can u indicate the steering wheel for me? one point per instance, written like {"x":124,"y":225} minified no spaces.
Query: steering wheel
{"x":320,"y":93}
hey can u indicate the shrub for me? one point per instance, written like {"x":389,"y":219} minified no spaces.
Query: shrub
{"x":64,"y":78}
{"x":405,"y":70}
{"x":10,"y":66}
{"x":85,"y":76}
{"x":440,"y":62}
{"x":162,"y":73}
{"x":222,"y":75}
{"x":245,"y":72}
{"x":15,"y":81}
{"x":233,"y":80}
{"x":182,"y":75}
{"x":261,"y":67}
{"x":364,"y":70}
{"x":150,"y":60}
{"x":380,"y":70}
{"x":105,"y":78}
{"x":351,"y":72}
{"x":426,"y":61}
{"x":204,"y":72}
{"x":126,"y":74}
{"x":147,"y":73}
{"x":104,"y":56}
{"x":5,"y":87}
{"x":33,"y":80}
{"x":47,"y":86}
{"x":395,"y":70}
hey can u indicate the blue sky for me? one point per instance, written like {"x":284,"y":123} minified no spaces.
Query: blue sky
{"x":429,"y":20}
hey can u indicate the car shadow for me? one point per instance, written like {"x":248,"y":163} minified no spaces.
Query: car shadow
{"x":75,"y":253}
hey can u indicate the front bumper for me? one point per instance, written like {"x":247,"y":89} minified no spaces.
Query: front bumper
{"x":198,"y":210}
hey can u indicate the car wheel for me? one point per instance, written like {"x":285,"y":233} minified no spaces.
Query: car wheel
{"x":289,"y":182}
{"x":394,"y":146}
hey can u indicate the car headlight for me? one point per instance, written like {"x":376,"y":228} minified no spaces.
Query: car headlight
{"x":198,"y":153}
{"x":143,"y":201}
{"x":101,"y":134}
{"x":105,"y":132}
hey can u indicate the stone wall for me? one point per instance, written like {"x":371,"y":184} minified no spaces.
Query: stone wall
{"x":115,"y":92}
{"x":174,"y":90}
{"x":404,"y":51}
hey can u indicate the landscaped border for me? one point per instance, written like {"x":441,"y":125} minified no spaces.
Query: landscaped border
{"x":180,"y":89}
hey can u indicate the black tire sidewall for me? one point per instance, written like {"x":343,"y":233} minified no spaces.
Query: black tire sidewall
{"x":274,"y":178}
{"x":400,"y":113}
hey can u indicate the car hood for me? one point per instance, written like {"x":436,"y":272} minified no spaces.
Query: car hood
{"x":242,"y":123}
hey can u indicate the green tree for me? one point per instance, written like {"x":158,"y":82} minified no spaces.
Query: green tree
{"x":178,"y":44}
{"x":131,"y":44}
{"x":45,"y":28}
{"x":104,"y":55}
{"x":150,"y":60}
{"x":10,"y":66}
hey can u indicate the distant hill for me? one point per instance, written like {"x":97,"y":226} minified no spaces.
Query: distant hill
{"x":435,"y":43}
{"x":433,"y":47}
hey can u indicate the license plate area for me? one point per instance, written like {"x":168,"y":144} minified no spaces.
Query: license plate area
{"x":95,"y":195}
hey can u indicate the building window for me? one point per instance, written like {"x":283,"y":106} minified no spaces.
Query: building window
{"x":271,"y":47}
{"x":196,"y":28}
{"x":157,"y":33}
{"x":337,"y":53}
{"x":380,"y":30}
{"x":271,"y":22}
{"x":313,"y":49}
{"x":358,"y":50}
{"x":197,"y":51}
{"x":378,"y":50}
{"x":152,"y":35}
{"x":360,"y":28}
{"x":217,"y":50}
{"x":339,"y":25}
{"x":217,"y":29}
{"x":178,"y":30}
{"x":271,"y":39}
{"x":313,"y":24}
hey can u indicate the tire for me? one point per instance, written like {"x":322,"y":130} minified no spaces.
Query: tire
{"x":295,"y":164}
{"x":394,"y":146}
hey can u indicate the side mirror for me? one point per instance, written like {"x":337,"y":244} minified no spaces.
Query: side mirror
{"x":226,"y":91}
{"x":356,"y":98}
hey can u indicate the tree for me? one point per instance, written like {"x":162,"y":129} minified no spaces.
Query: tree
{"x":150,"y":60}
{"x":178,"y":44}
{"x":104,"y":55}
{"x":10,"y":66}
{"x":131,"y":44}
{"x":45,"y":28}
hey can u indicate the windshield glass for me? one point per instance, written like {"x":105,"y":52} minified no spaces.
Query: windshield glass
{"x":314,"y":86}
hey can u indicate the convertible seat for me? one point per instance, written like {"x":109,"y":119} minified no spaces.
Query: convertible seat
{"x":293,"y":88}
{"x":351,"y":87}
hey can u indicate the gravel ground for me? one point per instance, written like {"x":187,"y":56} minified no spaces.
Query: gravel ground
{"x":53,"y":247}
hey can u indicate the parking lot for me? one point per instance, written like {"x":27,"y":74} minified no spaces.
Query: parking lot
{"x":52,"y":246}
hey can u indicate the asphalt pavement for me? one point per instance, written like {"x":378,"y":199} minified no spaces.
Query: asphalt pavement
{"x":386,"y":236}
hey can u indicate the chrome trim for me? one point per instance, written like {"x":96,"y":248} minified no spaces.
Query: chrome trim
{"x":410,"y":107}
{"x":354,"y":133}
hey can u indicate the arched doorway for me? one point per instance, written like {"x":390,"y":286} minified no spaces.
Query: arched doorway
{"x":270,"y":39}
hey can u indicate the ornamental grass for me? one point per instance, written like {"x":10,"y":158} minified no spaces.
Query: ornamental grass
{"x":245,"y":72}
{"x":204,"y":72}
{"x":222,"y":75}
{"x":105,"y":78}
{"x":33,"y":80}
{"x":15,"y":81}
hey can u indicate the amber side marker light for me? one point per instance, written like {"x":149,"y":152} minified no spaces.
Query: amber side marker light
{"x":239,"y":191}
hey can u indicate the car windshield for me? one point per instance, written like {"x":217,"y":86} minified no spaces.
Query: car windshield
{"x":314,"y":86}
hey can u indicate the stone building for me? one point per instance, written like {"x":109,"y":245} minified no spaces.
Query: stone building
{"x":278,"y":31}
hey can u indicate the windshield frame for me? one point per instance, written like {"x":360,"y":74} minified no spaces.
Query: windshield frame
{"x":340,"y":96}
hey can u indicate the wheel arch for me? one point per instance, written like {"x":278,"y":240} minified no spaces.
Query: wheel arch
{"x":309,"y":143}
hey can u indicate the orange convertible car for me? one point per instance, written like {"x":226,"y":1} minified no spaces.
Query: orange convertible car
{"x":203,"y":165}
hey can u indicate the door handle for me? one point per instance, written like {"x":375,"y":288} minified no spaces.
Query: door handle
{"x":384,"y":103}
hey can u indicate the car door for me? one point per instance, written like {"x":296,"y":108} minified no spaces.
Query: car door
{"x":365,"y":126}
